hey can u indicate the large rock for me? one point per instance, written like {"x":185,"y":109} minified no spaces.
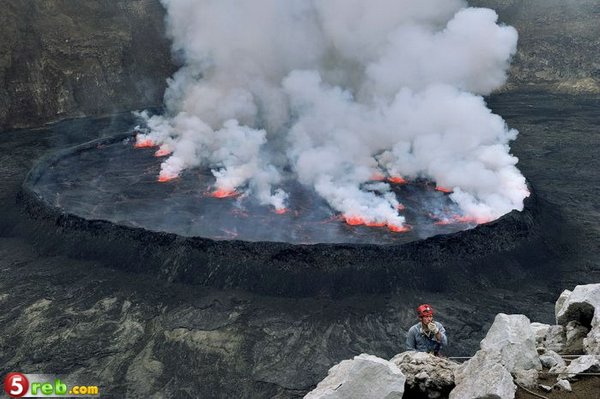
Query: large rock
{"x":509,"y":347}
{"x":540,"y":330}
{"x":591,"y":343}
{"x":575,"y":334}
{"x":513,"y":337}
{"x":426,"y":375}
{"x":483,"y":376}
{"x":583,"y":364}
{"x":527,"y":378}
{"x":583,"y":306}
{"x":580,"y":305}
{"x":550,"y":359}
{"x":562,"y":298}
{"x":363,"y":377}
{"x":555,"y":339}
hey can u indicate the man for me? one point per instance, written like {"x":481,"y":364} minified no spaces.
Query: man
{"x":427,"y":335}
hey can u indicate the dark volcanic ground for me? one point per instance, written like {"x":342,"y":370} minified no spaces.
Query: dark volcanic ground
{"x":139,"y":337}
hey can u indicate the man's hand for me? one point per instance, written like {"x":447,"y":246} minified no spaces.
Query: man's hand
{"x":433,"y":328}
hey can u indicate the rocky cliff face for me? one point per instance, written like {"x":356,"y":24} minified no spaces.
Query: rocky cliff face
{"x":61,"y":59}
{"x":559,"y":43}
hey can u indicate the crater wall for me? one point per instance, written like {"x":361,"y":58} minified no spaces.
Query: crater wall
{"x":63,"y":59}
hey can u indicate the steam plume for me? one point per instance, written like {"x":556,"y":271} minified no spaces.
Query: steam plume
{"x":339,"y":91}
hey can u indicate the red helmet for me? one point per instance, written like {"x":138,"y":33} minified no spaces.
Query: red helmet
{"x":425,"y":310}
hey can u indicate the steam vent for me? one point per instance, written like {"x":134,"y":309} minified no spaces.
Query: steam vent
{"x":108,"y":200}
{"x":321,"y":162}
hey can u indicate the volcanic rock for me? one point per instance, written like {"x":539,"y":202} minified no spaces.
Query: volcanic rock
{"x":483,"y":376}
{"x":509,"y":347}
{"x":363,"y":377}
{"x":561,"y":300}
{"x":426,"y":375}
{"x":563,"y":385}
{"x":575,"y":334}
{"x":550,"y":359}
{"x":513,"y":337}
{"x":555,"y":339}
{"x":583,"y":364}
{"x":64,"y":59}
{"x":526,"y":378}
{"x":540,"y":330}
{"x":78,"y":58}
{"x":583,"y":306}
{"x":546,"y":388}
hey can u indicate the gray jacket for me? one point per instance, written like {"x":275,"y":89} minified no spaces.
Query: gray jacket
{"x":424,"y":341}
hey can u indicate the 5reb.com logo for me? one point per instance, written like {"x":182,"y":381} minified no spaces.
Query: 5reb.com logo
{"x":19,"y":385}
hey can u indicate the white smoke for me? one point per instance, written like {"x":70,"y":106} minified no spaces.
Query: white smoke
{"x":339,"y":91}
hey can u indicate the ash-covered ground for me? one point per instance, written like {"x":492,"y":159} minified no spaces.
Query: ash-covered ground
{"x":136,"y":336}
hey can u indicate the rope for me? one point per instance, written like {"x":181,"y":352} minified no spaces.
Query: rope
{"x":566,"y":373}
{"x":531,"y":392}
{"x":563,"y":356}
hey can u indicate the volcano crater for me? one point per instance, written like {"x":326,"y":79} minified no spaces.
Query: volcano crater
{"x":102,"y":199}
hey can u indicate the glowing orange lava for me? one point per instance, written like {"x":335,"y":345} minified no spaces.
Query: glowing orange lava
{"x":166,"y":178}
{"x":354,"y":220}
{"x":220,"y":193}
{"x":357,"y":221}
{"x":375,"y":224}
{"x":162,"y":152}
{"x":281,"y":211}
{"x":400,"y":207}
{"x":443,"y":189}
{"x":397,"y":179}
{"x":399,"y":229}
{"x":145,"y":143}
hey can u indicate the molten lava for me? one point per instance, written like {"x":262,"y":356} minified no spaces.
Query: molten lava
{"x":163,"y":151}
{"x":375,"y":224}
{"x":220,"y":193}
{"x":165,"y":178}
{"x":144,"y":143}
{"x":443,"y":189}
{"x":397,"y":180}
{"x":354,"y":220}
{"x":399,"y":229}
{"x":358,"y":221}
{"x":281,"y":211}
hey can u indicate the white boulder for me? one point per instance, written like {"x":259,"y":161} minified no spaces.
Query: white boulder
{"x":591,"y":343}
{"x":578,"y":305}
{"x":583,"y":364}
{"x":513,"y":337}
{"x":563,"y":385}
{"x":555,"y":339}
{"x":540,"y":330}
{"x":426,"y":375}
{"x":526,"y":378}
{"x":363,"y":377}
{"x":575,"y":334}
{"x":582,"y":305}
{"x":483,"y":376}
{"x":550,"y":359}
{"x":561,"y":301}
